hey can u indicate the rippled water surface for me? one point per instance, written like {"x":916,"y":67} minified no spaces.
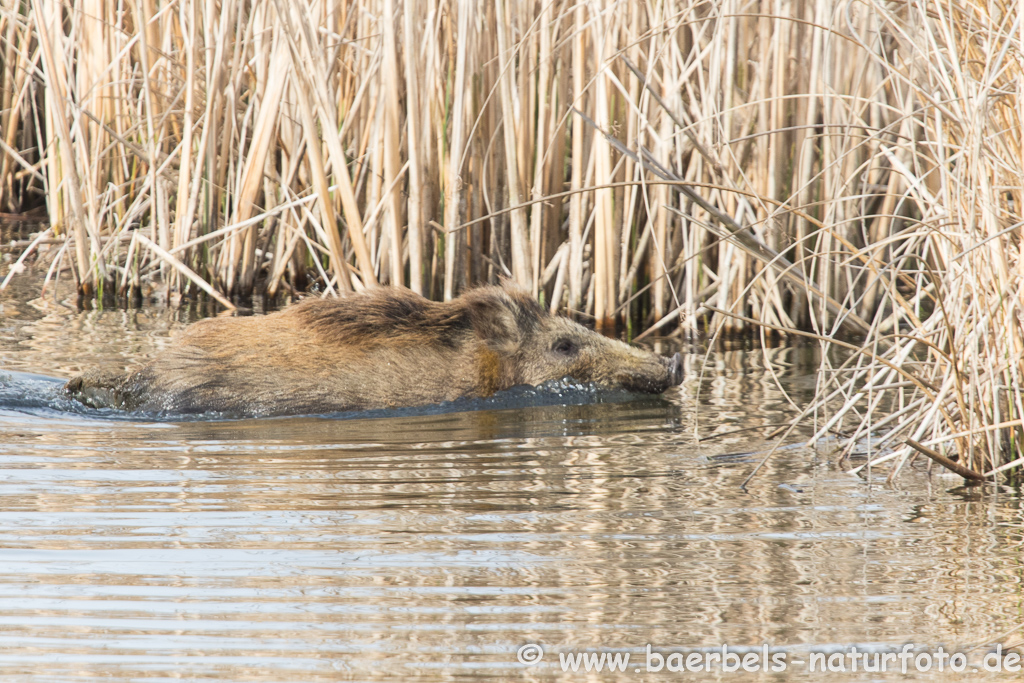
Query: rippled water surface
{"x":434,"y":547}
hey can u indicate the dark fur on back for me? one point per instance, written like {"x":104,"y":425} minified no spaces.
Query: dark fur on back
{"x":400,"y":317}
{"x":394,"y":316}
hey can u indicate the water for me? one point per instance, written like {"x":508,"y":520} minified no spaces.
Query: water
{"x":432,"y":547}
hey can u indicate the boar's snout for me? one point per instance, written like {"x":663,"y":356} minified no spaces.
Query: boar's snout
{"x":655,"y":376}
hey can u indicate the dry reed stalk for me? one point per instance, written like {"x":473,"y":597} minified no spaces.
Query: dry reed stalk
{"x":577,"y":161}
{"x":391,"y":142}
{"x":520,"y":255}
{"x":604,"y":237}
{"x":189,"y":18}
{"x":453,"y":181}
{"x":541,"y":138}
{"x":413,"y":75}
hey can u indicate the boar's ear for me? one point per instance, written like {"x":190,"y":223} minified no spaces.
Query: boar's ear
{"x":500,"y":318}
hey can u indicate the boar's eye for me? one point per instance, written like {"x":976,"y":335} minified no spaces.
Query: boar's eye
{"x":565,"y":347}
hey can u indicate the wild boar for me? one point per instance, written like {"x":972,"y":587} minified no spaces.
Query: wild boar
{"x":387,"y":347}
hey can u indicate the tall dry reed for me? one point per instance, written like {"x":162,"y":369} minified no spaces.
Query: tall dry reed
{"x":825,"y":167}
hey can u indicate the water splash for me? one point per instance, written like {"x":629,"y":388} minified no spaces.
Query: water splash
{"x":40,"y":395}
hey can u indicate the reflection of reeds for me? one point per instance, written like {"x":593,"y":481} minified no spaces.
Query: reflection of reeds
{"x":814,"y":166}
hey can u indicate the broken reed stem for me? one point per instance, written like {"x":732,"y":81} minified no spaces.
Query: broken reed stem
{"x":831,"y":167}
{"x":965,"y":472}
{"x":184,"y":270}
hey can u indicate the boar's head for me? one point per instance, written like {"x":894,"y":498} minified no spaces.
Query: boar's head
{"x":527,"y":345}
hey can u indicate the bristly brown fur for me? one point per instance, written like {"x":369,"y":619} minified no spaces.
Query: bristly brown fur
{"x":398,"y":316}
{"x":525,"y":308}
{"x":385,"y":314}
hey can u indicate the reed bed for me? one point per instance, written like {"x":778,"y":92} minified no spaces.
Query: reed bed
{"x":845,"y":170}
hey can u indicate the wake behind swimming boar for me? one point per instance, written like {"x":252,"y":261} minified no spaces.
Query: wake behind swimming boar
{"x":387,"y":347}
